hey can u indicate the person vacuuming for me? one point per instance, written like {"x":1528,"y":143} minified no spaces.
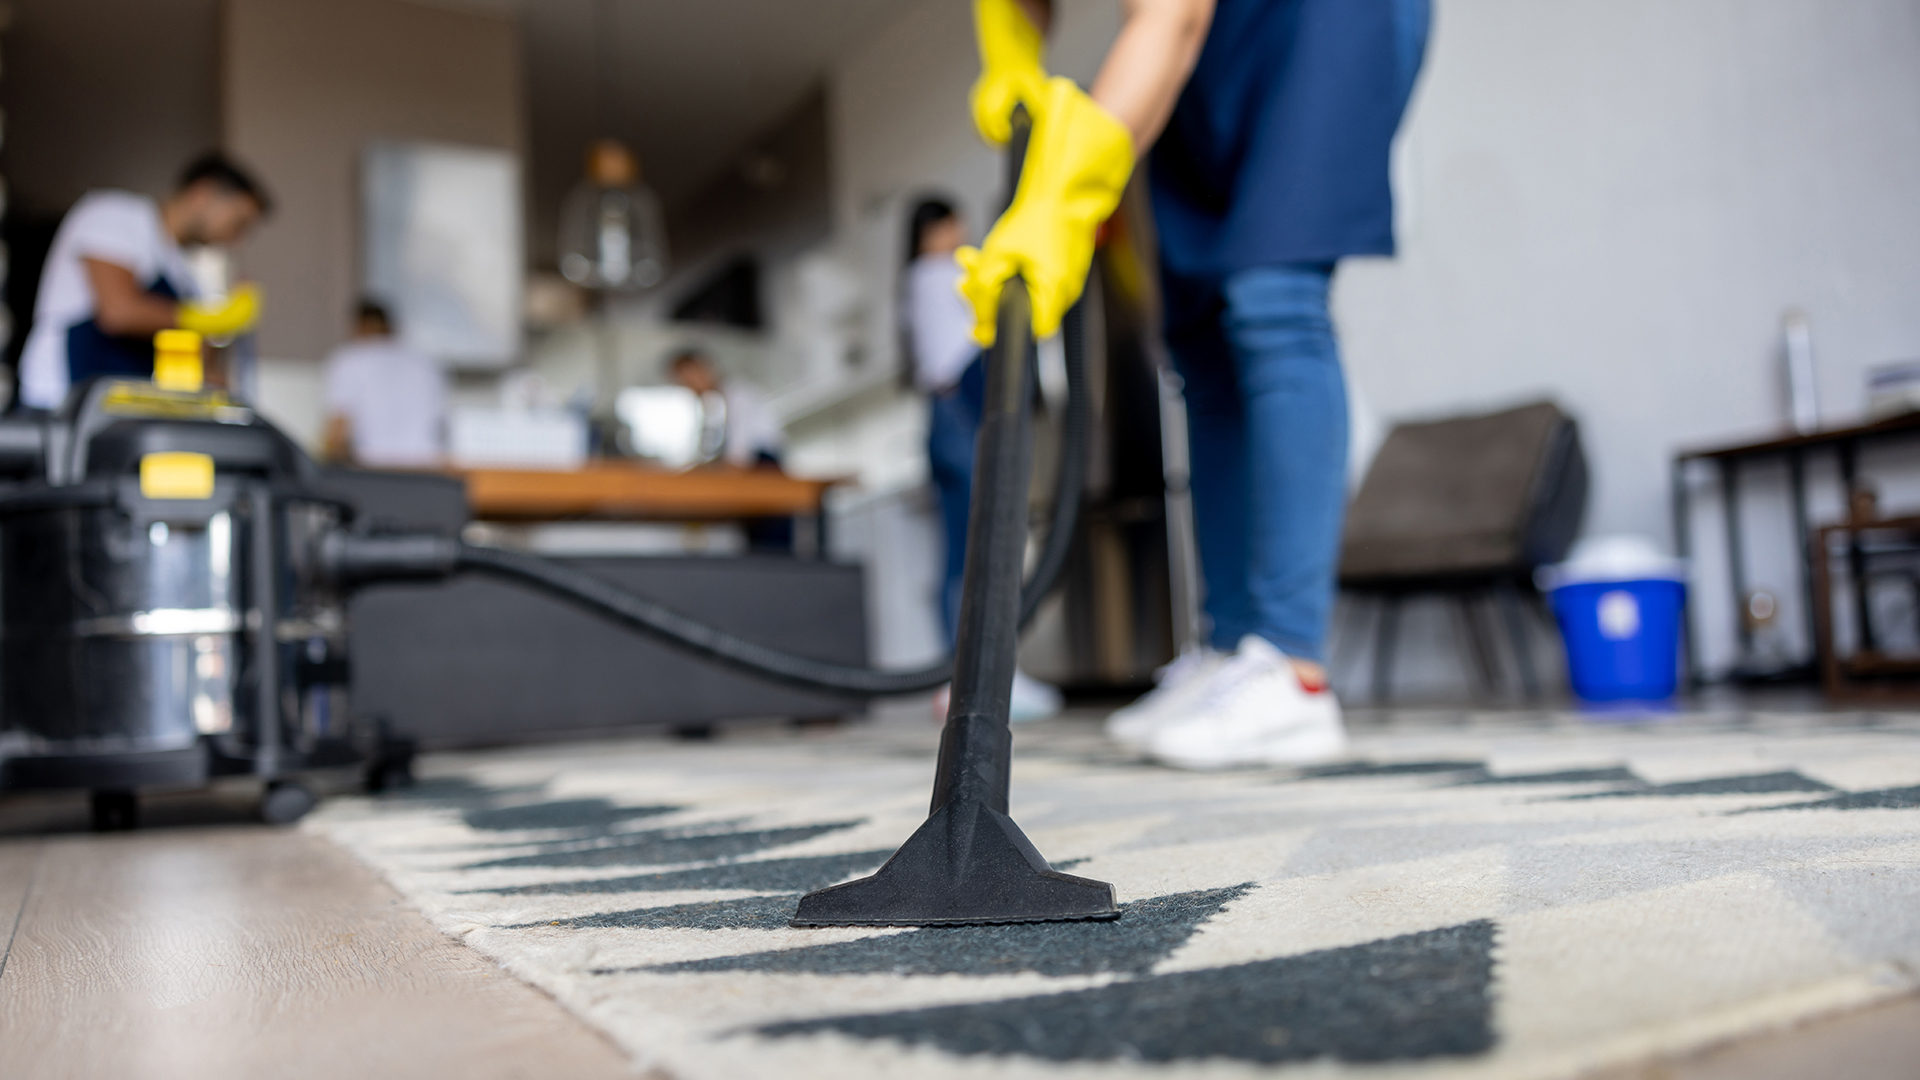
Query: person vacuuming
{"x":1270,"y":123}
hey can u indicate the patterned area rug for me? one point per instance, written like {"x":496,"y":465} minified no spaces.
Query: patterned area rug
{"x":1518,"y":895}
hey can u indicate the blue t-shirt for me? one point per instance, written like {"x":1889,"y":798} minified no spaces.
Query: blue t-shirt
{"x":1278,"y":149}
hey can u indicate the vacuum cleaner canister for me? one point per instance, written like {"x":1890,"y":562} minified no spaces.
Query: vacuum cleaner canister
{"x":162,"y":622}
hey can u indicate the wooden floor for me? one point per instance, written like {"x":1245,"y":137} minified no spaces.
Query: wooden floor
{"x":210,"y":947}
{"x":207,"y":946}
{"x":1880,"y":1043}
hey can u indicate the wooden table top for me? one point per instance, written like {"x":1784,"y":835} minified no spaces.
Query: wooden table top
{"x":1893,"y":425}
{"x":634,"y":491}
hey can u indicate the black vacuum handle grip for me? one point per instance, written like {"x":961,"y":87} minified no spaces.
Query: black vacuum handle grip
{"x":1017,"y":152}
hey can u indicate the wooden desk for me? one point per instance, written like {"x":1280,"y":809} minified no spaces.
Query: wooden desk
{"x":1844,"y":444}
{"x":627,"y":491}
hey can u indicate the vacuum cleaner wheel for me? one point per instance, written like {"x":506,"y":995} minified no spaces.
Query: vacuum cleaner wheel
{"x":115,"y":810}
{"x":286,"y":802}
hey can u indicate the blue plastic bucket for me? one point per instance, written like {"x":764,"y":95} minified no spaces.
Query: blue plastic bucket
{"x":1622,"y":638}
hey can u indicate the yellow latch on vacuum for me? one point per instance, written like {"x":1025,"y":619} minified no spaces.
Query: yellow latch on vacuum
{"x":176,"y":361}
{"x":176,"y":474}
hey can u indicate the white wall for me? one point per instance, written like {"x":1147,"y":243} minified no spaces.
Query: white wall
{"x":293,"y":394}
{"x":1610,"y":203}
{"x":1613,"y":204}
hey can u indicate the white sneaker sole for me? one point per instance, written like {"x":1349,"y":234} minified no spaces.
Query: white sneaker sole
{"x":1303,"y":745}
{"x":1133,"y":726}
{"x":1135,"y":731}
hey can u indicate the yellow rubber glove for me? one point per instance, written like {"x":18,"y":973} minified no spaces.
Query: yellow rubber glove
{"x":1011,"y":72}
{"x":226,"y":318}
{"x":1078,"y":161}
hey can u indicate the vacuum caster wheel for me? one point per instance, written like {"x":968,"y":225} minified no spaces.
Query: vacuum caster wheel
{"x":387,"y":775}
{"x":392,"y":766}
{"x":286,"y":802}
{"x":115,"y":810}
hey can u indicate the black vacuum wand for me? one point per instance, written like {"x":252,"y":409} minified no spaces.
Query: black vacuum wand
{"x":969,"y":862}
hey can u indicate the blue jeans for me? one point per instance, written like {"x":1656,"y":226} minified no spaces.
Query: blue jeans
{"x":952,"y":429}
{"x":1267,"y":421}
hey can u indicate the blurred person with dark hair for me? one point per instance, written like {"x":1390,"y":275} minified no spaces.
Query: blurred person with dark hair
{"x":386,"y":400}
{"x":947,"y":366}
{"x":948,"y":369}
{"x":115,"y":276}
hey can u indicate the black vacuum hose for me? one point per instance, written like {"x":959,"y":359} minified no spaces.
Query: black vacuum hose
{"x":662,"y":623}
{"x":353,"y":559}
{"x":1071,"y":483}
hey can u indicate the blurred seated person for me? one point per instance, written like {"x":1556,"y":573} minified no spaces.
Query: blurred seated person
{"x":386,"y":400}
{"x":115,"y":276}
{"x":753,"y":436}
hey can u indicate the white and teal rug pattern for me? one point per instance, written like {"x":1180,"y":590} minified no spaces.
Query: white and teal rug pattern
{"x":1478,"y":895}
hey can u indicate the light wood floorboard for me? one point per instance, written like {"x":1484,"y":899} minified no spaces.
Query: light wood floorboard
{"x":219,"y":948}
{"x":1878,"y":1043}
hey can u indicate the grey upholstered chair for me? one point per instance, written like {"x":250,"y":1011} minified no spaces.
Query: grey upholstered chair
{"x":1467,"y":507}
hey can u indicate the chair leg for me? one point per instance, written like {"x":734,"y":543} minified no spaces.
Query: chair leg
{"x":1515,"y":619}
{"x":1486,"y":678}
{"x":1337,"y":647}
{"x":1384,"y":641}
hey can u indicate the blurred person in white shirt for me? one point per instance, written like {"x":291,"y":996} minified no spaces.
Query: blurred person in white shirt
{"x":115,"y":276}
{"x":754,"y":438}
{"x":386,"y":400}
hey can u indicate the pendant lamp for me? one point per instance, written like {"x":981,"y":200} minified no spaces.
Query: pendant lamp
{"x":611,"y":233}
{"x":611,"y":236}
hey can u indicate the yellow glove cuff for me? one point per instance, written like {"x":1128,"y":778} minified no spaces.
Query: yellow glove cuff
{"x":235,"y":315}
{"x":1012,"y":71}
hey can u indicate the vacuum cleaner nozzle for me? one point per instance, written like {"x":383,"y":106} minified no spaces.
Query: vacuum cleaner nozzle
{"x":968,"y":863}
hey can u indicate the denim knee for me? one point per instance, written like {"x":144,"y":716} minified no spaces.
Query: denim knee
{"x":1268,"y":304}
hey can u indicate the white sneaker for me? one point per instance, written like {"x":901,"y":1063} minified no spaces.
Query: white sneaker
{"x":1255,"y":712}
{"x":1032,"y":699}
{"x":1180,"y":685}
